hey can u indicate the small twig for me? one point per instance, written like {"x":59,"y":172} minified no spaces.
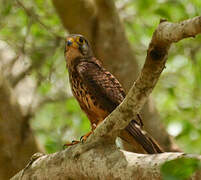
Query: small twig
{"x":31,"y":14}
{"x":25,"y":37}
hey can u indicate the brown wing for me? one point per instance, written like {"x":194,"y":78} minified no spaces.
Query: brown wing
{"x":109,"y":93}
{"x":101,"y":84}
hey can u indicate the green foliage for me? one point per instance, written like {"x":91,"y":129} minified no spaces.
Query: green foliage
{"x":180,"y":169}
{"x":59,"y":123}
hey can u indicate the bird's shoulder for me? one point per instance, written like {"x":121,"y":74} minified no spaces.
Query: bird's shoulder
{"x":101,"y":82}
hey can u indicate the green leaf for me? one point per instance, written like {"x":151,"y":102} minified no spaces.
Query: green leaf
{"x":180,"y":169}
{"x":45,"y":88}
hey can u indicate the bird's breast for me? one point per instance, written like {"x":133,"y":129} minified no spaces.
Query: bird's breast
{"x":87,"y":100}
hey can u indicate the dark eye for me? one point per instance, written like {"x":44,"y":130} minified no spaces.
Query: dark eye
{"x":81,"y":40}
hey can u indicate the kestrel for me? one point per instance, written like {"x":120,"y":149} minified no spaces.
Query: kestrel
{"x":99,"y":92}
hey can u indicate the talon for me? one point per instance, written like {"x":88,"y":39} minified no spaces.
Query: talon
{"x":75,"y":142}
{"x":84,"y":138}
{"x":71,"y":144}
{"x":81,"y":138}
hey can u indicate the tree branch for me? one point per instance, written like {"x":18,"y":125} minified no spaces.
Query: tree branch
{"x":104,"y":162}
{"x":100,"y":161}
{"x":15,"y":80}
{"x":165,"y":34}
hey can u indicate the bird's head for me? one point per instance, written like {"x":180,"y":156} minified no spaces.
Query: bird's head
{"x":76,"y":47}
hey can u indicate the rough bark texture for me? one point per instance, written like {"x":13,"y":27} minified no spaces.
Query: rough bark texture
{"x":16,"y":139}
{"x":98,"y":158}
{"x":100,"y":163}
{"x":99,"y":21}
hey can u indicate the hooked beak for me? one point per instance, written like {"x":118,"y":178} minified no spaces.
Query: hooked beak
{"x":69,"y":42}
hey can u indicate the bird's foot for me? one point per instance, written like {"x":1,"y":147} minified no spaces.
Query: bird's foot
{"x":71,"y":144}
{"x":84,"y":138}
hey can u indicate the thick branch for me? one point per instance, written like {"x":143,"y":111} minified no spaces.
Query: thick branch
{"x":103,"y":162}
{"x":168,"y":33}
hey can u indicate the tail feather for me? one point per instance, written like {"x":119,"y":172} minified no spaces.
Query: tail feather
{"x":145,"y":140}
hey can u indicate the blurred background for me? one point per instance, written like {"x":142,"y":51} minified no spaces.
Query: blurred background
{"x":37,"y":110}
